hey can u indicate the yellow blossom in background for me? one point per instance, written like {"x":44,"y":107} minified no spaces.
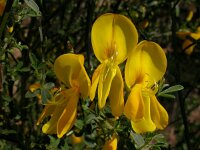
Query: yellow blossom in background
{"x":113,"y":37}
{"x":2,"y":6}
{"x":69,"y":69}
{"x":34,"y":87}
{"x":76,"y":139}
{"x":190,"y":15}
{"x":184,"y":35}
{"x":111,"y":144}
{"x":145,"y":66}
{"x":144,"y":24}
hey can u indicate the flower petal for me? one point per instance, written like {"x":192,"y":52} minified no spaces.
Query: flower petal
{"x":183,"y":34}
{"x":48,"y":110}
{"x":190,"y":49}
{"x":118,"y":38}
{"x":158,"y":113}
{"x":111,"y":144}
{"x":50,"y":126}
{"x":67,"y":68}
{"x":116,"y":95}
{"x":95,"y":81}
{"x":195,"y":36}
{"x":68,"y":116}
{"x":51,"y":106}
{"x":84,"y":82}
{"x":34,"y":87}
{"x":133,"y":70}
{"x":107,"y":74}
{"x":61,"y":101}
{"x":145,"y":124}
{"x":148,"y":59}
{"x":134,"y":107}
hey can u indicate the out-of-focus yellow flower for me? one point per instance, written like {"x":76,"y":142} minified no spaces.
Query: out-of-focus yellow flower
{"x":69,"y":69}
{"x":144,"y":24}
{"x":10,"y":29}
{"x":2,"y":6}
{"x":113,"y":37}
{"x":34,"y":87}
{"x":145,"y":66}
{"x":187,"y":42}
{"x":111,"y":144}
{"x":190,"y":15}
{"x":76,"y":139}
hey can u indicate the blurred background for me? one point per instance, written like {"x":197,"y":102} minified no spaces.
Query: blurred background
{"x":34,"y":33}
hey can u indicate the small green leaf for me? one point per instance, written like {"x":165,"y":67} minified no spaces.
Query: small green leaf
{"x":45,"y":95}
{"x":172,"y":89}
{"x":30,"y":94}
{"x":65,"y":146}
{"x":25,"y":69}
{"x":89,"y":118}
{"x":79,"y":124}
{"x":54,"y":142}
{"x":7,"y":132}
{"x":163,"y":86}
{"x":49,"y":85}
{"x":138,"y":139}
{"x":34,"y":60}
{"x":33,"y":6}
{"x":167,"y":95}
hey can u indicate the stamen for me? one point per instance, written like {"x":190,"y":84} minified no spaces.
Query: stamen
{"x":148,"y":88}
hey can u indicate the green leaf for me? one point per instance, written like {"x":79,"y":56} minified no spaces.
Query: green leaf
{"x":89,"y":118}
{"x":45,"y":95}
{"x":167,"y":95}
{"x":138,"y":139}
{"x":30,"y":94}
{"x":7,"y":132}
{"x":54,"y":142}
{"x":34,"y":60}
{"x":79,"y":124}
{"x":49,"y":85}
{"x":33,"y":6}
{"x":25,"y":69}
{"x":65,"y":146}
{"x":172,"y":89}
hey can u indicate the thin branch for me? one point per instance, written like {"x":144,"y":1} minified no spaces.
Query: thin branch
{"x":177,"y":76}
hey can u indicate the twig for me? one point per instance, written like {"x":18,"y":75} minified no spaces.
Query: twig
{"x":90,"y":12}
{"x":177,"y":76}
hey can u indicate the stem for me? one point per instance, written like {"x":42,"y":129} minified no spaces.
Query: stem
{"x":177,"y":76}
{"x":90,"y":12}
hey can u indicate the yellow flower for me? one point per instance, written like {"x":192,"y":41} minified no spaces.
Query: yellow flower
{"x":190,"y":15}
{"x":34,"y":87}
{"x":111,"y":144}
{"x":113,"y":37}
{"x":69,"y":69}
{"x":2,"y":6}
{"x":187,"y":42}
{"x":145,"y":66}
{"x":76,"y":139}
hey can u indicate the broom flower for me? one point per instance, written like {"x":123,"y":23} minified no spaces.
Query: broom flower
{"x":69,"y":69}
{"x":113,"y":37}
{"x":144,"y":68}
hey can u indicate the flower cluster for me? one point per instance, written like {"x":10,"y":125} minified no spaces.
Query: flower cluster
{"x":189,"y":38}
{"x":114,"y":40}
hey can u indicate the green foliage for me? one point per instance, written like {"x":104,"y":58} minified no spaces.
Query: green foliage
{"x":34,"y":7}
{"x":168,"y":92}
{"x":43,"y":30}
